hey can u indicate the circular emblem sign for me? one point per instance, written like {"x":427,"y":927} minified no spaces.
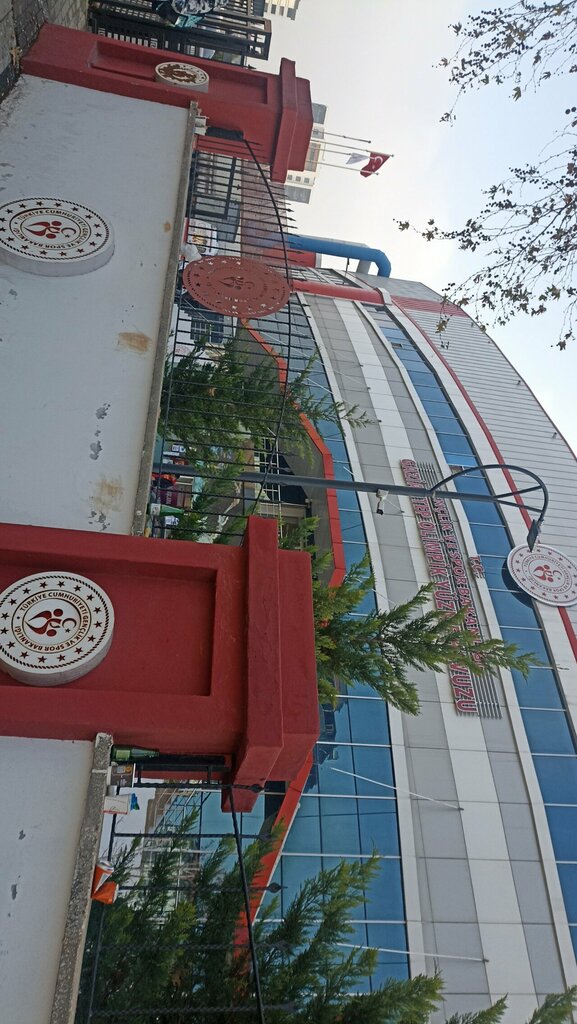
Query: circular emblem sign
{"x":236,"y":286}
{"x":54,"y":627}
{"x":544,"y":573}
{"x":54,"y":237}
{"x":187,"y":76}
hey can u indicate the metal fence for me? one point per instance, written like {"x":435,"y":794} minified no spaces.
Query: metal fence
{"x":178,"y":946}
{"x":233,"y":35}
{"x":232,"y":388}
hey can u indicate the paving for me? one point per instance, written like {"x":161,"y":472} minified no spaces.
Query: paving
{"x":20,"y":22}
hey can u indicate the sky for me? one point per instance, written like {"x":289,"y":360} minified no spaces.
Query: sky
{"x":374,"y":64}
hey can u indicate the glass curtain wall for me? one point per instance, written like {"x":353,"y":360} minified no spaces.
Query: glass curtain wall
{"x":341,"y":816}
{"x":540,"y":697}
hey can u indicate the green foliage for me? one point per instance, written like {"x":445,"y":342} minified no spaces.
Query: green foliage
{"x":378,"y":648}
{"x":223,"y":400}
{"x":492,"y":1015}
{"x":526,"y":228}
{"x":189,"y":963}
{"x":201,"y":519}
{"x":556,"y":1008}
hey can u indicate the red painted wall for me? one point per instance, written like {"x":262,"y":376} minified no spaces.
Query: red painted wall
{"x":213,"y":648}
{"x":273,"y":111}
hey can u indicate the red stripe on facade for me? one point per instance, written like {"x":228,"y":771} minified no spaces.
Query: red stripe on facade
{"x":568,"y":626}
{"x":294,"y":792}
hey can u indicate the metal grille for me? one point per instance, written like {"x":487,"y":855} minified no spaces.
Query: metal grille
{"x":227,"y":404}
{"x":151,"y":968}
{"x":484,"y":684}
{"x":233,"y":35}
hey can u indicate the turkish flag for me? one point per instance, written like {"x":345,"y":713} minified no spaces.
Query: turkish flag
{"x":375,"y":163}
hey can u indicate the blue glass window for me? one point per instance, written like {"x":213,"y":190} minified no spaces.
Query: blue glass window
{"x":378,"y":826}
{"x":375,"y":764}
{"x":473,"y":482}
{"x":538,"y":690}
{"x":514,"y":609}
{"x":481,"y":511}
{"x":573,"y":932}
{"x":342,"y":470}
{"x":354,"y":553}
{"x":357,"y":936}
{"x":431,"y":392}
{"x":329,"y":757}
{"x":305,"y":832}
{"x":335,"y":726}
{"x":437,"y":408}
{"x":455,"y":443}
{"x":496,"y":572}
{"x":295,"y":871}
{"x":490,"y":540}
{"x":361,"y":690}
{"x":422,"y":377}
{"x":563,"y":827}
{"x":352,"y":527}
{"x":447,"y":425}
{"x":388,"y":937}
{"x":548,"y":732}
{"x":529,"y":640}
{"x":340,"y":826}
{"x":384,"y":894}
{"x":409,"y":361}
{"x":368,"y":602}
{"x":369,"y":721}
{"x":458,"y":461}
{"x":337,"y":449}
{"x":348,"y":500}
{"x":557,"y":778}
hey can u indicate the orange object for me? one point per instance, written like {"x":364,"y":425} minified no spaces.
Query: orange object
{"x":107,"y":893}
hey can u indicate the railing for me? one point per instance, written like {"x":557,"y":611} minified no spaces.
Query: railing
{"x":151,"y":956}
{"x":224,"y":405}
{"x":233,"y":35}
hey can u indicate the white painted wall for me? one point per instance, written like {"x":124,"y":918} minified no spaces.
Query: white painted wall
{"x":76,"y":361}
{"x":42,"y":797}
{"x":76,"y":353}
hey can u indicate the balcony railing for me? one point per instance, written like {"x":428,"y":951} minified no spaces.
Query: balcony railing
{"x":232,"y":35}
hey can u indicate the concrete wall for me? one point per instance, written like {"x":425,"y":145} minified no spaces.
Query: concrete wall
{"x":44,"y":789}
{"x":77,"y":353}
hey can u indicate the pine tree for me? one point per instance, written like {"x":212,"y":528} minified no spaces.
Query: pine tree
{"x":379,"y":647}
{"x":189,"y":963}
{"x":226,"y":400}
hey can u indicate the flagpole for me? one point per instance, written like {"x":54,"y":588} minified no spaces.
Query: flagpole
{"x":340,"y":145}
{"x":350,"y":138}
{"x":339,"y":152}
{"x":341,"y":167}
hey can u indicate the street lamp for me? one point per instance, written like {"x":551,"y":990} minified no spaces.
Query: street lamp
{"x":506,"y":498}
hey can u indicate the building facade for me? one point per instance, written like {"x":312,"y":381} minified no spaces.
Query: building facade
{"x":284,"y":8}
{"x":472,"y":805}
{"x":299,"y":185}
{"x":484,"y":877}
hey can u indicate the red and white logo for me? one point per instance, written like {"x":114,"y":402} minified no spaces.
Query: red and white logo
{"x":187,"y":76}
{"x":54,"y":628}
{"x":545,"y":573}
{"x":53,"y":237}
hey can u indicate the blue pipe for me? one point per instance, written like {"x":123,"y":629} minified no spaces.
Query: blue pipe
{"x":350,"y":250}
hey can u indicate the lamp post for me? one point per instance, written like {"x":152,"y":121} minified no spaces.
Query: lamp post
{"x":437,"y":490}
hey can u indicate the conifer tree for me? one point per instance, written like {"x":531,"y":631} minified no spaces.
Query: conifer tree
{"x":162,"y":962}
{"x":379,"y":647}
